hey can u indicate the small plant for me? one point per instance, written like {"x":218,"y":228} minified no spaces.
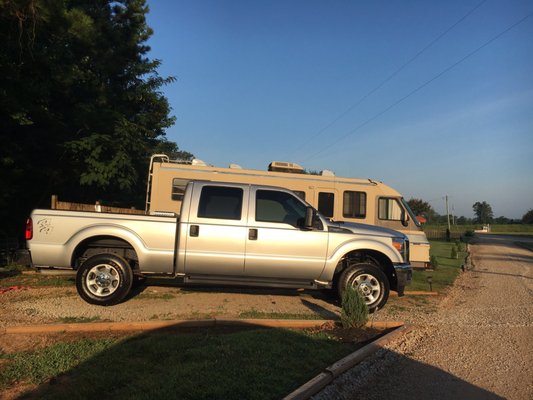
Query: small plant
{"x":354,"y":313}
{"x":434,"y":262}
{"x":453,"y":253}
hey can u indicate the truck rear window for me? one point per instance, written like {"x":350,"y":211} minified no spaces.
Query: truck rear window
{"x":220,"y":203}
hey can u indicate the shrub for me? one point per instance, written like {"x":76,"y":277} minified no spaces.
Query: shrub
{"x":434,"y":262}
{"x":354,"y":312}
{"x":453,"y":252}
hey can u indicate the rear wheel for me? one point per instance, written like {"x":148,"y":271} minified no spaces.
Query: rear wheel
{"x":104,"y":279}
{"x":369,"y":280}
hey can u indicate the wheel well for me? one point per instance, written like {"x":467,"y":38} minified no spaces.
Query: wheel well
{"x":368,"y":256}
{"x":104,"y":244}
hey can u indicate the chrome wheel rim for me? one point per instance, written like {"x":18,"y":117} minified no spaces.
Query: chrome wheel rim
{"x":102,"y":280}
{"x":369,"y":287}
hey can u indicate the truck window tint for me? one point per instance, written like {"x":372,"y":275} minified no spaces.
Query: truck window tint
{"x":280,"y":207}
{"x":220,"y":202}
{"x":178,"y":188}
{"x":354,"y":204}
{"x":389,"y":209}
{"x":325,"y":203}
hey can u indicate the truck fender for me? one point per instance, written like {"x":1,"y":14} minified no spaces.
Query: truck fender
{"x":110,"y":230}
{"x":357,"y":245}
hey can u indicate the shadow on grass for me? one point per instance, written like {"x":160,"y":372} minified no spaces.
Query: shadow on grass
{"x":247,"y":364}
{"x":254,"y":363}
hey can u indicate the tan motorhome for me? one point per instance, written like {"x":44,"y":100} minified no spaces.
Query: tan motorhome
{"x":342,"y":199}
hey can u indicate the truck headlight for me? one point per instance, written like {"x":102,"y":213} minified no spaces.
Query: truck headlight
{"x":402,"y":245}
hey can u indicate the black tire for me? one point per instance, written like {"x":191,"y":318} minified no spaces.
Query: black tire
{"x":104,"y":279}
{"x":371,"y":282}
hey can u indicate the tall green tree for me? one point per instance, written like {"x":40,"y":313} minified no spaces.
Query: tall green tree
{"x":80,"y":103}
{"x":421,"y":207}
{"x":528,"y":217}
{"x":483,"y":212}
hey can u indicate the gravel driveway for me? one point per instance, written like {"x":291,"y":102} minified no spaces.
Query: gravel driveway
{"x":477,"y":344}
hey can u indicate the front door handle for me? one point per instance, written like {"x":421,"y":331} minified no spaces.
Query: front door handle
{"x":194,"y":230}
{"x":252,"y":234}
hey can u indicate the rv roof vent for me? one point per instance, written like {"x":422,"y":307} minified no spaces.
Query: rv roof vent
{"x":235,"y":166}
{"x":198,"y":162}
{"x":280,"y":166}
{"x":327,"y":172}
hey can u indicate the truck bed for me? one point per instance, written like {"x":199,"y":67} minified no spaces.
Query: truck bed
{"x":57,"y":234}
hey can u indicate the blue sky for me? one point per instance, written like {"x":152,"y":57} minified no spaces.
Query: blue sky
{"x":433,"y":98}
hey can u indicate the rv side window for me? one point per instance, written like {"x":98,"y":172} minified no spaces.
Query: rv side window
{"x":325,"y":203}
{"x":178,"y":188}
{"x":299,"y":193}
{"x":389,"y":209}
{"x":220,"y":202}
{"x":354,"y":205}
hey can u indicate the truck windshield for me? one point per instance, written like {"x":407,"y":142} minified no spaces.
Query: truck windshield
{"x":411,"y":213}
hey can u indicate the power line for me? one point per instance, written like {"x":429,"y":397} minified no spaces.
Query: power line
{"x":351,"y":132}
{"x":396,"y":72}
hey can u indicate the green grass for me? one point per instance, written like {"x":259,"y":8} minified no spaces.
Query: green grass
{"x":253,"y":364}
{"x":444,"y":275}
{"x":13,"y":275}
{"x":36,"y":367}
{"x":254,"y":314}
{"x":494,"y":228}
{"x":512,"y":228}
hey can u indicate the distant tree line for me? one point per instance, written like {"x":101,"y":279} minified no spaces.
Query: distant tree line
{"x":482,"y":211}
{"x":81,"y":108}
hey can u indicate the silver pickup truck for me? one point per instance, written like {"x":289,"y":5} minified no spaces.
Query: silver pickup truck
{"x":226,"y":234}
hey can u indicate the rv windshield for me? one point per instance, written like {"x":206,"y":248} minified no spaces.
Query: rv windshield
{"x":411,"y":213}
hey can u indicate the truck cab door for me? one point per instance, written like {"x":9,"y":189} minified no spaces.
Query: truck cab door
{"x":216,"y":230}
{"x":277,"y":245}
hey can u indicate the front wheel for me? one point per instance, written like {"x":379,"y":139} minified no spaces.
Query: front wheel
{"x":104,"y":279}
{"x":369,"y":280}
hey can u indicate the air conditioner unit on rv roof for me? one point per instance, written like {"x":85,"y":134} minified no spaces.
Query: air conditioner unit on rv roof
{"x":280,"y":166}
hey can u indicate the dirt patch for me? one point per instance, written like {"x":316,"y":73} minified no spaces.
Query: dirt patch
{"x":350,"y":335}
{"x":33,"y":342}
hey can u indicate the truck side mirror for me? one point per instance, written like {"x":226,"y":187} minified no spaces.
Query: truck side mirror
{"x":309,"y":218}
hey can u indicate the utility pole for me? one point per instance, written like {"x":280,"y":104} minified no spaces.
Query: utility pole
{"x":447,"y":213}
{"x":453,"y":215}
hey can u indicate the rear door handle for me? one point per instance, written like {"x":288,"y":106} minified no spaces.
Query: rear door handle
{"x":194,"y":230}
{"x":252,"y":234}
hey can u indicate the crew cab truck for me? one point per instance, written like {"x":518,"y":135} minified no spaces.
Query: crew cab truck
{"x":225,"y":234}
